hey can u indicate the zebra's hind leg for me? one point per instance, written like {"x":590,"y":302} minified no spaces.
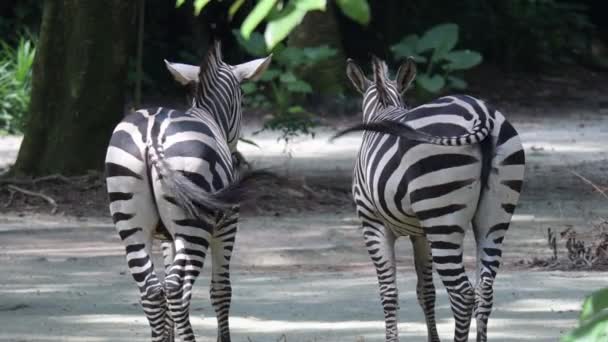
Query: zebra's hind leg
{"x":220,"y":292}
{"x":152,"y":296}
{"x":380,"y":243}
{"x":425,"y":289}
{"x":168,"y":249}
{"x":445,"y":233}
{"x":135,"y":218}
{"x":191,"y":240}
{"x":490,"y":224}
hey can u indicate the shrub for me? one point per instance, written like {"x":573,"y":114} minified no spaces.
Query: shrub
{"x":15,"y":83}
{"x":437,"y":61}
{"x":593,"y":320}
{"x":279,"y":88}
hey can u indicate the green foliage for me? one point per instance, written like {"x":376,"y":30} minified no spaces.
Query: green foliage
{"x":283,"y":22}
{"x":434,"y":52}
{"x":593,"y":320}
{"x":18,"y":17}
{"x":282,"y":16}
{"x":547,"y":31}
{"x":279,"y":88}
{"x":198,"y":5}
{"x":357,"y":10}
{"x":15,"y":83}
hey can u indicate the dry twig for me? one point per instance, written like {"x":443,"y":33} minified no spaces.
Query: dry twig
{"x":597,"y":188}
{"x":47,"y":198}
{"x":50,"y":178}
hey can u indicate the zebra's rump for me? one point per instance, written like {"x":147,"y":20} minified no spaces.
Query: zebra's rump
{"x":191,"y":144}
{"x":395,"y":175}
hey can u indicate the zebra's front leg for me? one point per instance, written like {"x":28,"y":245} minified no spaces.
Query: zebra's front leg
{"x":380,"y":243}
{"x":220,"y":292}
{"x":425,"y":289}
{"x":168,"y":249}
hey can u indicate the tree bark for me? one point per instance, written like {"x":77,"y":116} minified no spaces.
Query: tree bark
{"x":321,"y":28}
{"x":78,"y":85}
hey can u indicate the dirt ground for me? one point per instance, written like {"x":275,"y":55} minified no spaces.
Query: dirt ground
{"x":300,"y":268}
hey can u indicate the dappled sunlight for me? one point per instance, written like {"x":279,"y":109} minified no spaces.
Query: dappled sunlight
{"x":66,"y":251}
{"x":30,"y":337}
{"x":542,"y":304}
{"x":523,"y":329}
{"x":544,"y":218}
{"x":42,"y":288}
{"x":304,"y":146}
{"x":565,"y":147}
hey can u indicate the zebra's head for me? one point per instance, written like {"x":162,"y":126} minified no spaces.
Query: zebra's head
{"x":217,"y":88}
{"x":383,"y":92}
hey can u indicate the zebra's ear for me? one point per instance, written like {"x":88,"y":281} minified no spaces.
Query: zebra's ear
{"x":406,"y":74}
{"x":251,"y":71}
{"x":356,"y":76}
{"x":183,"y":73}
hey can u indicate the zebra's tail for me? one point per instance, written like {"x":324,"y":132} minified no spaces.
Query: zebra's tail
{"x":197,"y":202}
{"x":480,"y":131}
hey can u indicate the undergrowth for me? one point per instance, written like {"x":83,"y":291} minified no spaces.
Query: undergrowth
{"x":15,"y":84}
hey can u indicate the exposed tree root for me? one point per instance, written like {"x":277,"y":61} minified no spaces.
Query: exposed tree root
{"x":14,"y":188}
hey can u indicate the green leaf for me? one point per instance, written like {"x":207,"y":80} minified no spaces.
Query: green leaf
{"x":406,"y":47}
{"x":254,"y":46}
{"x":278,"y":28}
{"x":290,"y":57}
{"x":456,"y":83}
{"x":235,"y":8}
{"x":288,"y":77}
{"x":357,"y":10}
{"x":270,"y":75}
{"x":259,"y":12}
{"x":178,"y":3}
{"x":432,"y":84}
{"x":441,"y":39}
{"x":299,"y":86}
{"x":296,"y":109}
{"x":199,"y":5}
{"x":314,"y":55}
{"x":594,"y":329}
{"x":462,"y":59}
{"x":248,"y":88}
{"x":594,"y":303}
{"x":310,"y":5}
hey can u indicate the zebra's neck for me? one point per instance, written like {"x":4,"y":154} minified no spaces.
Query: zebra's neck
{"x":219,"y":95}
{"x":386,"y":113}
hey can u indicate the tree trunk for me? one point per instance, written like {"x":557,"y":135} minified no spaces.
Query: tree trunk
{"x":78,"y":85}
{"x":321,"y":28}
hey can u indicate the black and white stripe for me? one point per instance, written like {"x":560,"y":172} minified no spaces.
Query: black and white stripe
{"x":430,"y":173}
{"x":170,"y":175}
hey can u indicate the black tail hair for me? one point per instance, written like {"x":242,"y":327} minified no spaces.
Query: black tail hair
{"x":387,"y":127}
{"x":199,"y":203}
{"x":480,"y":132}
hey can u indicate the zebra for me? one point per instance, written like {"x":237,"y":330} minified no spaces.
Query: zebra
{"x":170,"y":176}
{"x":428,"y":173}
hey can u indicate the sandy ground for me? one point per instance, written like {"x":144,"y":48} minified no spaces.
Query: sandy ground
{"x":306,"y":275}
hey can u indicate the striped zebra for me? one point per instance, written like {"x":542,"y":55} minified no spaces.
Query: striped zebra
{"x":170,"y":175}
{"x":428,"y":173}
